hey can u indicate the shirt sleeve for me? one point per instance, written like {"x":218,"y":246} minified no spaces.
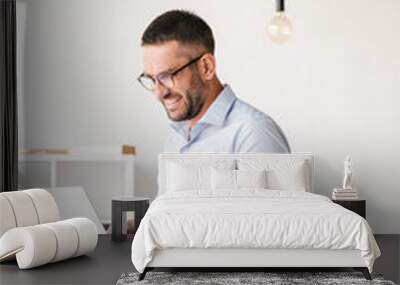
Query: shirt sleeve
{"x":263,"y":136}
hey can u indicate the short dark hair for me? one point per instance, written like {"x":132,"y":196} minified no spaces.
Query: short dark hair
{"x":182,"y":26}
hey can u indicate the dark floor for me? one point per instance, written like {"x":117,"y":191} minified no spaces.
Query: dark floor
{"x":111,"y":259}
{"x":102,"y":266}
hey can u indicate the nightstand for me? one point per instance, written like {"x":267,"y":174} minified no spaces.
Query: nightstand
{"x":119,"y":207}
{"x":358,"y":206}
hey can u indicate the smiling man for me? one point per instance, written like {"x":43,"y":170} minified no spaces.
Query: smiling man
{"x":205,"y":115}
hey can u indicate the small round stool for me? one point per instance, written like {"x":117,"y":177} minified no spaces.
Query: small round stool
{"x":119,"y":206}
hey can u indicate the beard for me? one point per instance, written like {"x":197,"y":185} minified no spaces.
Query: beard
{"x":191,"y":102}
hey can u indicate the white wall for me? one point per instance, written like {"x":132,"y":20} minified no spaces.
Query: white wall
{"x":334,"y":88}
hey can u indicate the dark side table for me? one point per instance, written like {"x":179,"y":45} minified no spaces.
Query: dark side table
{"x":358,"y":206}
{"x":119,"y":207}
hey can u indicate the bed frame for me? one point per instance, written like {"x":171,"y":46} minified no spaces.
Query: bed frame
{"x":248,"y":259}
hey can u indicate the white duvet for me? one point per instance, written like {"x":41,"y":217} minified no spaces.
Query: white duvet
{"x":250,"y":218}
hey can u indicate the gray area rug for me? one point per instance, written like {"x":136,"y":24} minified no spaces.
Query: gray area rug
{"x":273,"y":278}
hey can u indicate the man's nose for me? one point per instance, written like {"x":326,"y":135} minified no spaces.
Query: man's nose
{"x":160,"y":90}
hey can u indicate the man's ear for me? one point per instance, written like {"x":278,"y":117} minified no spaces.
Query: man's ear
{"x":207,"y":66}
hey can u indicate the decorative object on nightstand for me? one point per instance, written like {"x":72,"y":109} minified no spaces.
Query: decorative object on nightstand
{"x":358,"y":206}
{"x":346,"y":192}
{"x":121,"y":205}
{"x":348,"y":173}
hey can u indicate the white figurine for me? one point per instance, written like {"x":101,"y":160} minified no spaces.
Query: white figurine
{"x":347,"y":173}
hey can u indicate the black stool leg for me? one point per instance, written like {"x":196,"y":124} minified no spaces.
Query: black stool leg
{"x":364,"y":271}
{"x":140,"y":211}
{"x":143,"y":274}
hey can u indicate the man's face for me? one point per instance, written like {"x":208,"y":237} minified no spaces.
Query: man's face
{"x":186,"y":98}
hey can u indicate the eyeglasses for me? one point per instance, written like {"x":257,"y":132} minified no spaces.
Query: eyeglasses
{"x":165,"y":79}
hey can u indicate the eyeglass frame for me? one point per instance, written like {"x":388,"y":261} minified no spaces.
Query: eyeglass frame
{"x":170,"y":74}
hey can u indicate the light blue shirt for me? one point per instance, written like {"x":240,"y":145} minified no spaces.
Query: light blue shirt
{"x":229,"y":125}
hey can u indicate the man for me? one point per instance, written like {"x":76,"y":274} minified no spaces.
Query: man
{"x":206,"y":116}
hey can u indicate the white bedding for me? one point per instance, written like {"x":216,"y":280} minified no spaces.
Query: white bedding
{"x":250,"y":218}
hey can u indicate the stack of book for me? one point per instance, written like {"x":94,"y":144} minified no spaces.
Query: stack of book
{"x":344,"y":194}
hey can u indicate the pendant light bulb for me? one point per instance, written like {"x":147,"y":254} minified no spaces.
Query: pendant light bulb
{"x":280,"y":28}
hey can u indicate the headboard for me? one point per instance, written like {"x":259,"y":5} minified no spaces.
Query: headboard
{"x":210,"y":158}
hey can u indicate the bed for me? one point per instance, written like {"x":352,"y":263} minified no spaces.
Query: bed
{"x":245,"y":211}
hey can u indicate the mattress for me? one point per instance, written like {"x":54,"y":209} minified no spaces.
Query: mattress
{"x":250,"y":219}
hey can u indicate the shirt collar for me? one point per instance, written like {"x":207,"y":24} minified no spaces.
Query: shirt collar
{"x":216,"y":113}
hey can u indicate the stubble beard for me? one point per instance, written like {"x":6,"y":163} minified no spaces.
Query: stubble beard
{"x":193,"y":101}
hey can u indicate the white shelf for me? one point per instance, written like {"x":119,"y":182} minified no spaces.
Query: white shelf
{"x":77,"y":157}
{"x":86,"y":155}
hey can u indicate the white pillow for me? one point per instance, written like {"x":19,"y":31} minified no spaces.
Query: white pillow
{"x":191,"y":175}
{"x":223,"y":179}
{"x":293,"y":178}
{"x":251,"y":178}
{"x":281,"y":174}
{"x":181,"y":177}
